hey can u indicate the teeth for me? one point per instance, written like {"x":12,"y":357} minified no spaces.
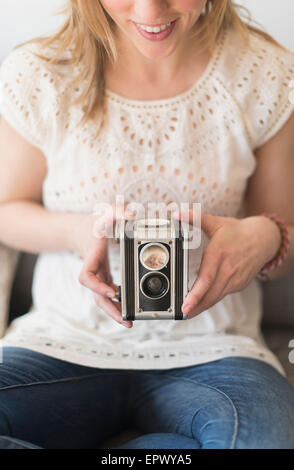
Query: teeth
{"x":156,"y":29}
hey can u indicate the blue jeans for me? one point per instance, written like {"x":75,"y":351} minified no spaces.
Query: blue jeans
{"x":231,"y":403}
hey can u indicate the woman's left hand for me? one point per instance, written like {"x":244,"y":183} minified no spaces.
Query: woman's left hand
{"x":237,"y":250}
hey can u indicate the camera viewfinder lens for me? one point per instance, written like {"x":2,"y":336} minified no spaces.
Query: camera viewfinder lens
{"x":154,"y":285}
{"x":154,"y":256}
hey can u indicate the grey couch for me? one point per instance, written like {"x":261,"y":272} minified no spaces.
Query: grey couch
{"x":277,"y":326}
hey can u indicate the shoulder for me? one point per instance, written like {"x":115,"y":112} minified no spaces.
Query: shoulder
{"x":25,"y":71}
{"x":258,"y":76}
{"x":260,"y":58}
{"x":31,"y":91}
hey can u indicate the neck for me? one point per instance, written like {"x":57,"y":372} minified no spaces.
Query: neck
{"x":158,"y":70}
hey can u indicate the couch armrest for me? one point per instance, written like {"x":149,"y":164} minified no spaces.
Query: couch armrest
{"x":8,"y":262}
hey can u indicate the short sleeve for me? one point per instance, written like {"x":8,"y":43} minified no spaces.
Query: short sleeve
{"x":262,"y":81}
{"x":26,"y":96}
{"x":271,"y":105}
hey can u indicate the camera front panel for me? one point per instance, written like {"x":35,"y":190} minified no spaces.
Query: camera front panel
{"x":154,"y":279}
{"x":154,"y":274}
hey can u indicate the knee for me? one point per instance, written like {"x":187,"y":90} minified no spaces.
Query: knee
{"x":215,"y":425}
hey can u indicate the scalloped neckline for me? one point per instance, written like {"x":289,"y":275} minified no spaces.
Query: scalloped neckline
{"x":209,"y":69}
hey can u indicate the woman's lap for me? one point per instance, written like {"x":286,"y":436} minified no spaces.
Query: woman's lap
{"x":230,"y":403}
{"x":57,"y":404}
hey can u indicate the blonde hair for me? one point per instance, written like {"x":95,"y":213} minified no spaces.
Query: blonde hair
{"x":90,"y":33}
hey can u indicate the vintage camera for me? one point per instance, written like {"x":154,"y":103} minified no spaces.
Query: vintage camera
{"x":153,"y":268}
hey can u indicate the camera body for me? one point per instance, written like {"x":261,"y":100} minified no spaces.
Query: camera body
{"x":153,"y":268}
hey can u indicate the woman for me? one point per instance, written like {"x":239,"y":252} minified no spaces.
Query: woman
{"x":156,"y":101}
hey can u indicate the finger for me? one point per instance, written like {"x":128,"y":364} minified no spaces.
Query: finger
{"x":190,"y":216}
{"x":234,"y":286}
{"x":110,"y":283}
{"x":215,"y":292}
{"x":112,"y":309}
{"x":88,"y":276}
{"x":108,"y":276}
{"x":209,"y":223}
{"x":206,"y":277}
{"x":108,"y":279}
{"x":122,"y":211}
{"x":113,"y":285}
{"x":114,"y":211}
{"x":90,"y":280}
{"x":116,"y":289}
{"x":105,"y":224}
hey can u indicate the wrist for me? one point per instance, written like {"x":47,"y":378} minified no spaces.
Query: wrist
{"x":73,"y":232}
{"x":281,"y":253}
{"x":82,"y":233}
{"x":275,"y":239}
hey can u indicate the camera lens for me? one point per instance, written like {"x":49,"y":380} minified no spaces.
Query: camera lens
{"x":154,"y":285}
{"x":154,"y":256}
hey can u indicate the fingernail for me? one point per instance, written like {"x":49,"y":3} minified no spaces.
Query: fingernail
{"x":186,"y":308}
{"x":110,"y":294}
{"x":129,"y":213}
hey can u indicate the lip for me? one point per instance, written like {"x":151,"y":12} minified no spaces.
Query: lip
{"x":153,"y":25}
{"x":156,"y":36}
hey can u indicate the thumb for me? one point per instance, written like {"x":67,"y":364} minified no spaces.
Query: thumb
{"x":209,"y":223}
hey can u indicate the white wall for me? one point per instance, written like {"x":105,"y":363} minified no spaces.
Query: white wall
{"x":23,"y":19}
{"x":276,"y":17}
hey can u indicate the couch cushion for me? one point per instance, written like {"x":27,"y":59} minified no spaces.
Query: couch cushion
{"x":21,"y":298}
{"x":8,"y":262}
{"x":278,"y":301}
{"x":277,"y":339}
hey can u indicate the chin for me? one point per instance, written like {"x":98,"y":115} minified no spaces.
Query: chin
{"x":156,"y":51}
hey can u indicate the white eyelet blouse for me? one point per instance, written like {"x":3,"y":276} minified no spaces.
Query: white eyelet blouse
{"x":197,"y":146}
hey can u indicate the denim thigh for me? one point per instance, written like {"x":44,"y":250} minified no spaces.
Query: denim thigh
{"x":234,"y":402}
{"x":57,"y":404}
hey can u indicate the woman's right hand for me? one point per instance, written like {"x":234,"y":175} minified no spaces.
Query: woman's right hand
{"x":92,"y":246}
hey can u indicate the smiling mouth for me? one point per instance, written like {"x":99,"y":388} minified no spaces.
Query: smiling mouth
{"x":154,"y":28}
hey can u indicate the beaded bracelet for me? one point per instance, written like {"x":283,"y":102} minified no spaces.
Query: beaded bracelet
{"x":283,"y":251}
